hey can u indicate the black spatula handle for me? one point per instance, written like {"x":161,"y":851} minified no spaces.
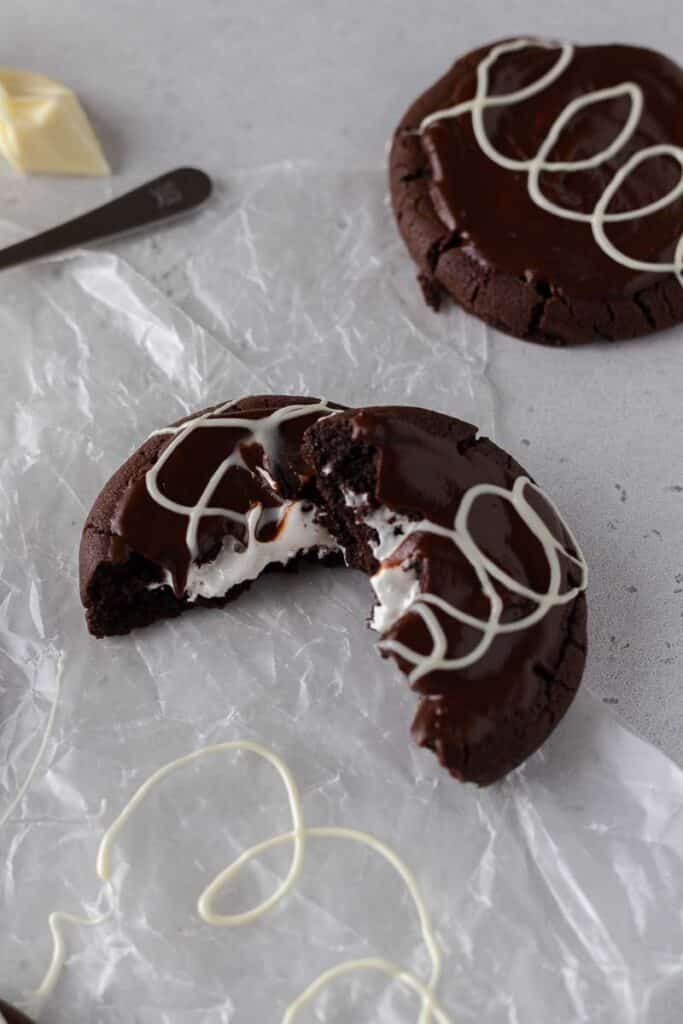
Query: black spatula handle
{"x":166,"y":196}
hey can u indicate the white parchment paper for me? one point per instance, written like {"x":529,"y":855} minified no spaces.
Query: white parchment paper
{"x":556,"y":895}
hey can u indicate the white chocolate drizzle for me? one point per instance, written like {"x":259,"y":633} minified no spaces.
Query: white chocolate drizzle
{"x":35,"y":1000}
{"x":430,"y":1011}
{"x":262,"y":432}
{"x":539,"y":163}
{"x":488,"y":574}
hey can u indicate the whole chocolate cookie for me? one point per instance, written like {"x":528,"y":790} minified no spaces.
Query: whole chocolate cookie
{"x":479,"y":584}
{"x":540,"y":185}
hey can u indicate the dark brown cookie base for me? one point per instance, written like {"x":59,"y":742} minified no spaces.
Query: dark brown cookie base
{"x":526,"y":307}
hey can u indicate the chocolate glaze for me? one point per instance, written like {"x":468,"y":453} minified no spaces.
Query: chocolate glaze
{"x":142,"y":525}
{"x":488,"y":208}
{"x":483,"y":719}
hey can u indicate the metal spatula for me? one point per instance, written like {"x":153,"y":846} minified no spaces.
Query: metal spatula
{"x":173,"y":193}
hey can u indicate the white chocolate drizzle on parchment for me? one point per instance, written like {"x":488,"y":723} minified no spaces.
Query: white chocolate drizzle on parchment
{"x":539,"y":164}
{"x":298,"y":835}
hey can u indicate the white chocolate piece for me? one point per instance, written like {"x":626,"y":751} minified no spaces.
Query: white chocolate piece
{"x":539,"y":163}
{"x":297,"y":836}
{"x":44,"y":129}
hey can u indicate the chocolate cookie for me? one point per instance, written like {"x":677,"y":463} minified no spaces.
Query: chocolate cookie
{"x":10,"y":1015}
{"x":527,"y":185}
{"x":479,"y":584}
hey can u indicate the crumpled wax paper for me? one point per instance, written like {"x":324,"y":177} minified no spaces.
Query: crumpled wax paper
{"x":556,"y":895}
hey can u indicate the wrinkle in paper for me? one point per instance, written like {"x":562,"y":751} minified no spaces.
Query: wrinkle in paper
{"x":44,"y":129}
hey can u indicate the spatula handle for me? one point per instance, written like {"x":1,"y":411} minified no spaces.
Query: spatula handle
{"x":166,"y":196}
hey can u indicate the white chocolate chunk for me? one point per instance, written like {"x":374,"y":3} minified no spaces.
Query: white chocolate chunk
{"x":44,"y":129}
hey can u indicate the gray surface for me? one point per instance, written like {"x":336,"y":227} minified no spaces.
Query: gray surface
{"x":228,"y":85}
